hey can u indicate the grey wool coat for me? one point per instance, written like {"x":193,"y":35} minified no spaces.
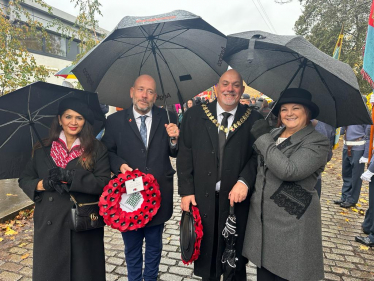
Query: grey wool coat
{"x":61,"y":254}
{"x":283,"y":231}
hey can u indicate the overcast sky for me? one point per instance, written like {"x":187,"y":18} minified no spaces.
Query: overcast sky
{"x":230,"y":16}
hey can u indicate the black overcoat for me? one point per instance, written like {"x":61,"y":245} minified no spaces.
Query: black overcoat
{"x":197,"y":166}
{"x":61,"y":254}
{"x":125,"y":146}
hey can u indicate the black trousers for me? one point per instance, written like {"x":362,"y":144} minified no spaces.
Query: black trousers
{"x":265,"y":275}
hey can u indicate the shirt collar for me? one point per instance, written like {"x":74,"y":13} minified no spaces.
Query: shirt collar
{"x":220,"y":110}
{"x":137,"y":115}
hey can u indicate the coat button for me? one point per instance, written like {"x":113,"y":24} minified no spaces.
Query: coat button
{"x":49,"y":222}
{"x":212,"y":151}
{"x":51,"y":199}
{"x":143,"y":150}
{"x":207,"y":194}
{"x":205,"y":215}
{"x":209,"y":173}
{"x":146,"y":168}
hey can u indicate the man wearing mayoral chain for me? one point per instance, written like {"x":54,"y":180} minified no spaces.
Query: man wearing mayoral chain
{"x":216,"y":167}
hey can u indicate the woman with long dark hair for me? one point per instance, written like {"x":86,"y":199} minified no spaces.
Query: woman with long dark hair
{"x":81,"y":169}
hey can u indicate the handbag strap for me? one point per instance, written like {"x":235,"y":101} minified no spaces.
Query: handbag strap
{"x":82,"y":204}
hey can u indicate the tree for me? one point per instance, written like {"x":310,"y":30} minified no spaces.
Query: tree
{"x":321,"y":22}
{"x":18,"y":66}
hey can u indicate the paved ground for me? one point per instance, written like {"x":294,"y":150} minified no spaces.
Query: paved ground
{"x":344,"y":258}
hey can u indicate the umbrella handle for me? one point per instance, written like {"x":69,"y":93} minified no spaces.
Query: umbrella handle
{"x":232,"y":210}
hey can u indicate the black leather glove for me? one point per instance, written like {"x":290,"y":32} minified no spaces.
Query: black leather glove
{"x":61,"y":175}
{"x":259,"y":128}
{"x":48,"y":184}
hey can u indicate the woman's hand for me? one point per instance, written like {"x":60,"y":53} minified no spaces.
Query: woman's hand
{"x":259,"y":128}
{"x":40,"y":187}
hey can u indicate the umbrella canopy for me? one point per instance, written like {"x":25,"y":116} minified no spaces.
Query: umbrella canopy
{"x":179,"y":50}
{"x":66,"y":72}
{"x":271,"y":63}
{"x":33,"y":106}
{"x":229,"y":255}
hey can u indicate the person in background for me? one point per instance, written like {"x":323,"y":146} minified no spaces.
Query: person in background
{"x":197,"y":101}
{"x":355,"y":155}
{"x":329,"y":132}
{"x":253,"y":101}
{"x":105,"y":110}
{"x":190,"y":103}
{"x":283,"y":237}
{"x":244,"y":99}
{"x":140,"y":137}
{"x":368,"y":223}
{"x":265,"y":109}
{"x":82,"y":170}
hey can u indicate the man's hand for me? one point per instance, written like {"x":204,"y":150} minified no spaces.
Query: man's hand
{"x":172,"y":131}
{"x":238,"y":193}
{"x":124,"y":168}
{"x":186,"y":201}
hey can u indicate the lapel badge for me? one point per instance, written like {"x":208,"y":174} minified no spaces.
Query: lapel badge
{"x":130,"y":120}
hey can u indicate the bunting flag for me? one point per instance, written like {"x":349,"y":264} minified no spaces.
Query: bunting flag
{"x":336,"y":55}
{"x":368,"y":68}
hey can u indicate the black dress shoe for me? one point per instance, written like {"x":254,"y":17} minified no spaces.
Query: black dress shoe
{"x":364,"y":240}
{"x":338,"y":202}
{"x":347,"y":204}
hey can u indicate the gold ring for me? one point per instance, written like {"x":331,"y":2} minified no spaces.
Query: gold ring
{"x":175,"y":131}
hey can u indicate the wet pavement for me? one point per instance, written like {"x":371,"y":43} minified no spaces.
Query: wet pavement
{"x":344,"y":258}
{"x":12,"y":199}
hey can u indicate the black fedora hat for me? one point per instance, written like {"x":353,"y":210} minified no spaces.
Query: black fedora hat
{"x":299,"y":96}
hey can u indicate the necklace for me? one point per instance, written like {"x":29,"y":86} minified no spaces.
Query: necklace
{"x":233,"y":127}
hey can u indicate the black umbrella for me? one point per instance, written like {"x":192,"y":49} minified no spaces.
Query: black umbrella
{"x":229,"y":254}
{"x":182,"y":52}
{"x":25,"y":117}
{"x":272,"y":63}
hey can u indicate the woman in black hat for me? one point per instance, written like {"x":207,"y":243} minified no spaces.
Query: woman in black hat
{"x":82,"y":170}
{"x":283,"y":235}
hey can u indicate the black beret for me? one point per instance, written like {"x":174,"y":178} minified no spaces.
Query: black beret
{"x":77,"y":105}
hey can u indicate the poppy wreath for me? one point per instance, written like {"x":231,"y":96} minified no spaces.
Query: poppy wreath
{"x":199,"y":235}
{"x":110,"y":200}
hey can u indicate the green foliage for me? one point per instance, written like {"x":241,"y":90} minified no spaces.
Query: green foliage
{"x":18,"y":66}
{"x":321,"y":23}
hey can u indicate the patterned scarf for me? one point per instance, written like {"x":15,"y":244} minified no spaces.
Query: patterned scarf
{"x":60,"y":153}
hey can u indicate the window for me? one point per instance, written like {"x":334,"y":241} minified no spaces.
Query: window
{"x":55,"y":45}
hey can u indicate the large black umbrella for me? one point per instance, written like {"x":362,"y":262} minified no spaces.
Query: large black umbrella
{"x":271,"y":63}
{"x":27,"y":113}
{"x":181,"y":51}
{"x":229,"y":254}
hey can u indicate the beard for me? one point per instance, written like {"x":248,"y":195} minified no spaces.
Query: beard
{"x":232,"y":101}
{"x":142,"y":109}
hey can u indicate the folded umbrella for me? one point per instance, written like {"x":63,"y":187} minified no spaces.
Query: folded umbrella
{"x":272,"y":63}
{"x":181,"y":51}
{"x":25,"y":118}
{"x":229,"y":254}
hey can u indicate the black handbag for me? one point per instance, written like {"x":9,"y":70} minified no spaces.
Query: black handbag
{"x":85,"y":216}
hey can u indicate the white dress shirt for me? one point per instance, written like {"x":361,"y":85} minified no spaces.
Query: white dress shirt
{"x":148,"y":121}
